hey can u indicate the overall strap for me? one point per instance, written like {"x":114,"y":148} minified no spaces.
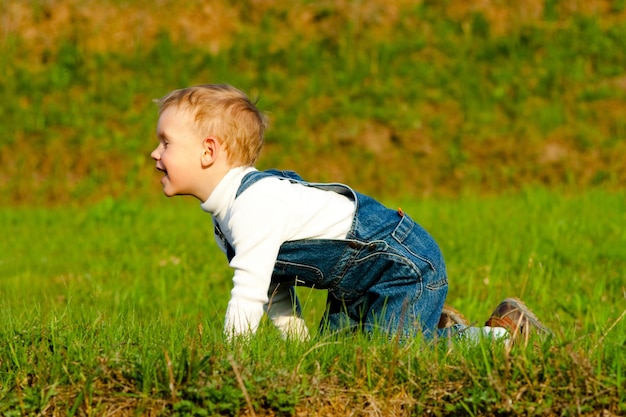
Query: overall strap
{"x":230,"y":252}
{"x":252,"y":177}
{"x":255,"y":176}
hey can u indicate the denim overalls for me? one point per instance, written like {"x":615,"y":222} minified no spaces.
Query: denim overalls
{"x":388,"y":275}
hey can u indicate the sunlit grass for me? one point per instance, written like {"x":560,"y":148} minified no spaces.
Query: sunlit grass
{"x":121,"y":304}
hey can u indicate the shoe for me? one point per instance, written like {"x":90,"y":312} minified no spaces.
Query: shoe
{"x":513,"y":315}
{"x":451,"y":316}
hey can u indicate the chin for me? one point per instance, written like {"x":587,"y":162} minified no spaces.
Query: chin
{"x":168,"y":192}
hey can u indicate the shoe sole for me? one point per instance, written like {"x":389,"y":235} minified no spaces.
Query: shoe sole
{"x":528,"y":314}
{"x":452,"y":317}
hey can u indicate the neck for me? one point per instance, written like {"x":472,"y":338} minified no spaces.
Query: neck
{"x":214,"y":174}
{"x":224,"y":192}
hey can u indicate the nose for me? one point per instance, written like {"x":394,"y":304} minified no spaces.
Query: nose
{"x":155,"y":154}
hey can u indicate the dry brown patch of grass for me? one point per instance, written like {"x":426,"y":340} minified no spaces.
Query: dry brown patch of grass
{"x":109,"y":26}
{"x":120,"y":26}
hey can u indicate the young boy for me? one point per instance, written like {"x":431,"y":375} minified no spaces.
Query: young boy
{"x":383,"y":271}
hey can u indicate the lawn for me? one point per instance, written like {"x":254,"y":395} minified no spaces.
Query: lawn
{"x":117,"y":308}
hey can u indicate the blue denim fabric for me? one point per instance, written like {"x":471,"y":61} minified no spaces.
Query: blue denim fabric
{"x":388,"y":275}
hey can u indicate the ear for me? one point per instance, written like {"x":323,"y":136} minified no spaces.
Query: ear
{"x":211,"y":148}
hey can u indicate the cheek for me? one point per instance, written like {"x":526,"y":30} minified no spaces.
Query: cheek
{"x":165,"y":157}
{"x":173,"y":162}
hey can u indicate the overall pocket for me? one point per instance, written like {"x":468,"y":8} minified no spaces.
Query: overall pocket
{"x":420,"y":245}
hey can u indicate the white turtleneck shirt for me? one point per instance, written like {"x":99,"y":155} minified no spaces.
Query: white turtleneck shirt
{"x":267,"y":214}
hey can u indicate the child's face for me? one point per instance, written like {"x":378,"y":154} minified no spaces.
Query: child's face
{"x":179,"y":153}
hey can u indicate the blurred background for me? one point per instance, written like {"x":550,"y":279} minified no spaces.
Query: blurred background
{"x":410,"y":98}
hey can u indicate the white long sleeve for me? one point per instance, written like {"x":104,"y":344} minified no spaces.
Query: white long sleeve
{"x":281,"y":310}
{"x":269,"y":213}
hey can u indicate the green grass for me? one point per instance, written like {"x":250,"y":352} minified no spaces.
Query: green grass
{"x":118,"y":307}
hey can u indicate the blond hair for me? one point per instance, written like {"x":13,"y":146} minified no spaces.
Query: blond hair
{"x":225,"y":112}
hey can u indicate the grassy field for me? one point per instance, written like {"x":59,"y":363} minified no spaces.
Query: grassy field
{"x":498,"y":125}
{"x":117,"y":308}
